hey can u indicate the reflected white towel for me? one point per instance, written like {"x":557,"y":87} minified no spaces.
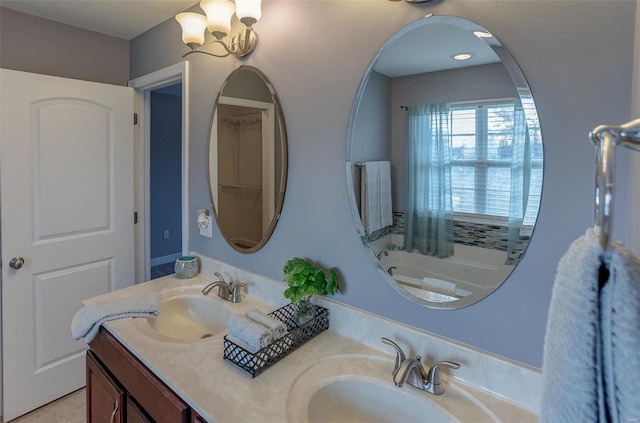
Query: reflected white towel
{"x":252,"y":334}
{"x":375,"y":196}
{"x":591,"y":365}
{"x":386,"y":213}
{"x":86,"y":322}
{"x":278,"y":328}
{"x":443,"y":287}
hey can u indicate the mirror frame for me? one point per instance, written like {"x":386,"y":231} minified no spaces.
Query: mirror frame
{"x":280,"y":188}
{"x":521,"y":86}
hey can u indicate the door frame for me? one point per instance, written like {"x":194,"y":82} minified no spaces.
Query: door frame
{"x":178,"y":73}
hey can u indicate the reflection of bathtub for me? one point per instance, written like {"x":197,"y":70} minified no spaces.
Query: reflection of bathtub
{"x":453,"y":277}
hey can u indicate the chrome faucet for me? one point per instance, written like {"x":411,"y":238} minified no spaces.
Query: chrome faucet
{"x":379,"y":255}
{"x":227,"y":291}
{"x":412,"y":372}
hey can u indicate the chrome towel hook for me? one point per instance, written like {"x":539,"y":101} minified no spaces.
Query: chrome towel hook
{"x":606,"y":137}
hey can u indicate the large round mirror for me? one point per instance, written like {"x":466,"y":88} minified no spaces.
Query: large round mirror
{"x":247,"y":159}
{"x":444,"y":162}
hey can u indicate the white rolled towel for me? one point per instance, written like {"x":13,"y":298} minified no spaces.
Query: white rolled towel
{"x":278,"y":328}
{"x":252,"y":334}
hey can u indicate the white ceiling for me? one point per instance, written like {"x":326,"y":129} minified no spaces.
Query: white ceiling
{"x":429,"y":49}
{"x":119,"y":18}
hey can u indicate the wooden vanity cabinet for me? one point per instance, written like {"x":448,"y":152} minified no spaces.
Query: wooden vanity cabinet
{"x":120,"y":389}
{"x":105,"y":399}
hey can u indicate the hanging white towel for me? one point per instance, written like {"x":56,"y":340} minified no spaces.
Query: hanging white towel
{"x":591,"y":366}
{"x":620,"y":327}
{"x":375,"y":196}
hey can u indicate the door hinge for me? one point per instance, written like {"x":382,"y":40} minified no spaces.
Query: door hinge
{"x":135,"y":218}
{"x":135,"y":118}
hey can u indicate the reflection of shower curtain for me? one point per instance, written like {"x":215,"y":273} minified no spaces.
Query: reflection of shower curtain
{"x":428,"y":197}
{"x":520,"y":178}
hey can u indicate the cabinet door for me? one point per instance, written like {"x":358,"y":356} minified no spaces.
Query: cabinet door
{"x":135,"y":413}
{"x":105,"y":399}
{"x":195,"y":418}
{"x":157,"y":400}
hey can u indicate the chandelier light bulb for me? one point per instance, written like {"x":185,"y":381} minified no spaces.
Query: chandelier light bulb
{"x":248,"y":11}
{"x":193,"y":26}
{"x":219,"y":14}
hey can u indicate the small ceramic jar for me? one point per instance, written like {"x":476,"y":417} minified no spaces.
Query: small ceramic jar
{"x":187,"y":267}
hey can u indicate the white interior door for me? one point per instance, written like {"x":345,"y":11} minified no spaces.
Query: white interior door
{"x":66,"y":190}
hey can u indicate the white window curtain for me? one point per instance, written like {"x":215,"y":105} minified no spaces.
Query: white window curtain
{"x":428,"y":197}
{"x":520,"y":179}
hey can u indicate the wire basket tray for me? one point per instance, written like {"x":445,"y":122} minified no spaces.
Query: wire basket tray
{"x":256,"y":363}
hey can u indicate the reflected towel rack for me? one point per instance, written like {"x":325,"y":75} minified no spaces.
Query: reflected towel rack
{"x":606,"y":137}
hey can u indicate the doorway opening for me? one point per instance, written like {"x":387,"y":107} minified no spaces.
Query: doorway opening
{"x":165,"y":190}
{"x":161,"y":198}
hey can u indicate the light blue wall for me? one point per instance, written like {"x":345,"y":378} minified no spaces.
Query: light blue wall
{"x":577,"y":57}
{"x":373,"y":141}
{"x":166,"y":174}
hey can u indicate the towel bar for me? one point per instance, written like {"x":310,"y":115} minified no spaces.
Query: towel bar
{"x":606,"y":137}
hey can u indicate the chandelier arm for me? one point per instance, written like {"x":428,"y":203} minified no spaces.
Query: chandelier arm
{"x":242,"y":44}
{"x":224,"y":45}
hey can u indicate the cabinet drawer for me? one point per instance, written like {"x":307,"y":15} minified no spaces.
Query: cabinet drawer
{"x":159,"y":402}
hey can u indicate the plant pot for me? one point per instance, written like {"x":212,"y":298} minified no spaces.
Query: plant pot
{"x":305,"y":312}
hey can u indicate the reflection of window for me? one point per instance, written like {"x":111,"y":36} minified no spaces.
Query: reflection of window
{"x":481,"y":159}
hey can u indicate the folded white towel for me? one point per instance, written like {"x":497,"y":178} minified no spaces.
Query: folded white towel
{"x":278,"y":328}
{"x":86,"y":322}
{"x":253,"y":334}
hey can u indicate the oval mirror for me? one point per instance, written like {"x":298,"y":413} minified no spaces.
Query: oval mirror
{"x":444,"y":162}
{"x":247,"y":159}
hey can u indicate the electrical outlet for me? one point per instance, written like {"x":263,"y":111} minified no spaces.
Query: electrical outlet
{"x":204,"y":223}
{"x":208,"y":231}
{"x":165,"y":234}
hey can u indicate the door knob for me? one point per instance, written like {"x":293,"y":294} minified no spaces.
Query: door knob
{"x":16,"y":263}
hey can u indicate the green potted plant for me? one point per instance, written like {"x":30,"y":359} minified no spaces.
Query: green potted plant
{"x":305,"y":280}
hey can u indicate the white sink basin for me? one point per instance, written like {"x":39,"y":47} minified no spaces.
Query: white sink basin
{"x":354,"y":399}
{"x":187,"y":317}
{"x":361,"y":389}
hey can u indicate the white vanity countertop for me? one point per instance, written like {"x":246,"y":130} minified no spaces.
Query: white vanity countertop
{"x":222,"y":392}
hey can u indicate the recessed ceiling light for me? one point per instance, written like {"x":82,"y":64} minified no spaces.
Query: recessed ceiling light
{"x":482,"y":34}
{"x":462,"y":56}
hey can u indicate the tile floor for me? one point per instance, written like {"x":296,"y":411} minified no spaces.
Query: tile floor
{"x":68,"y":409}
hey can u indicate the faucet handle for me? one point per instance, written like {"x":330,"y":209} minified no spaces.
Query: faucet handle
{"x":434,"y":371}
{"x":400,"y":357}
{"x":236,"y":288}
